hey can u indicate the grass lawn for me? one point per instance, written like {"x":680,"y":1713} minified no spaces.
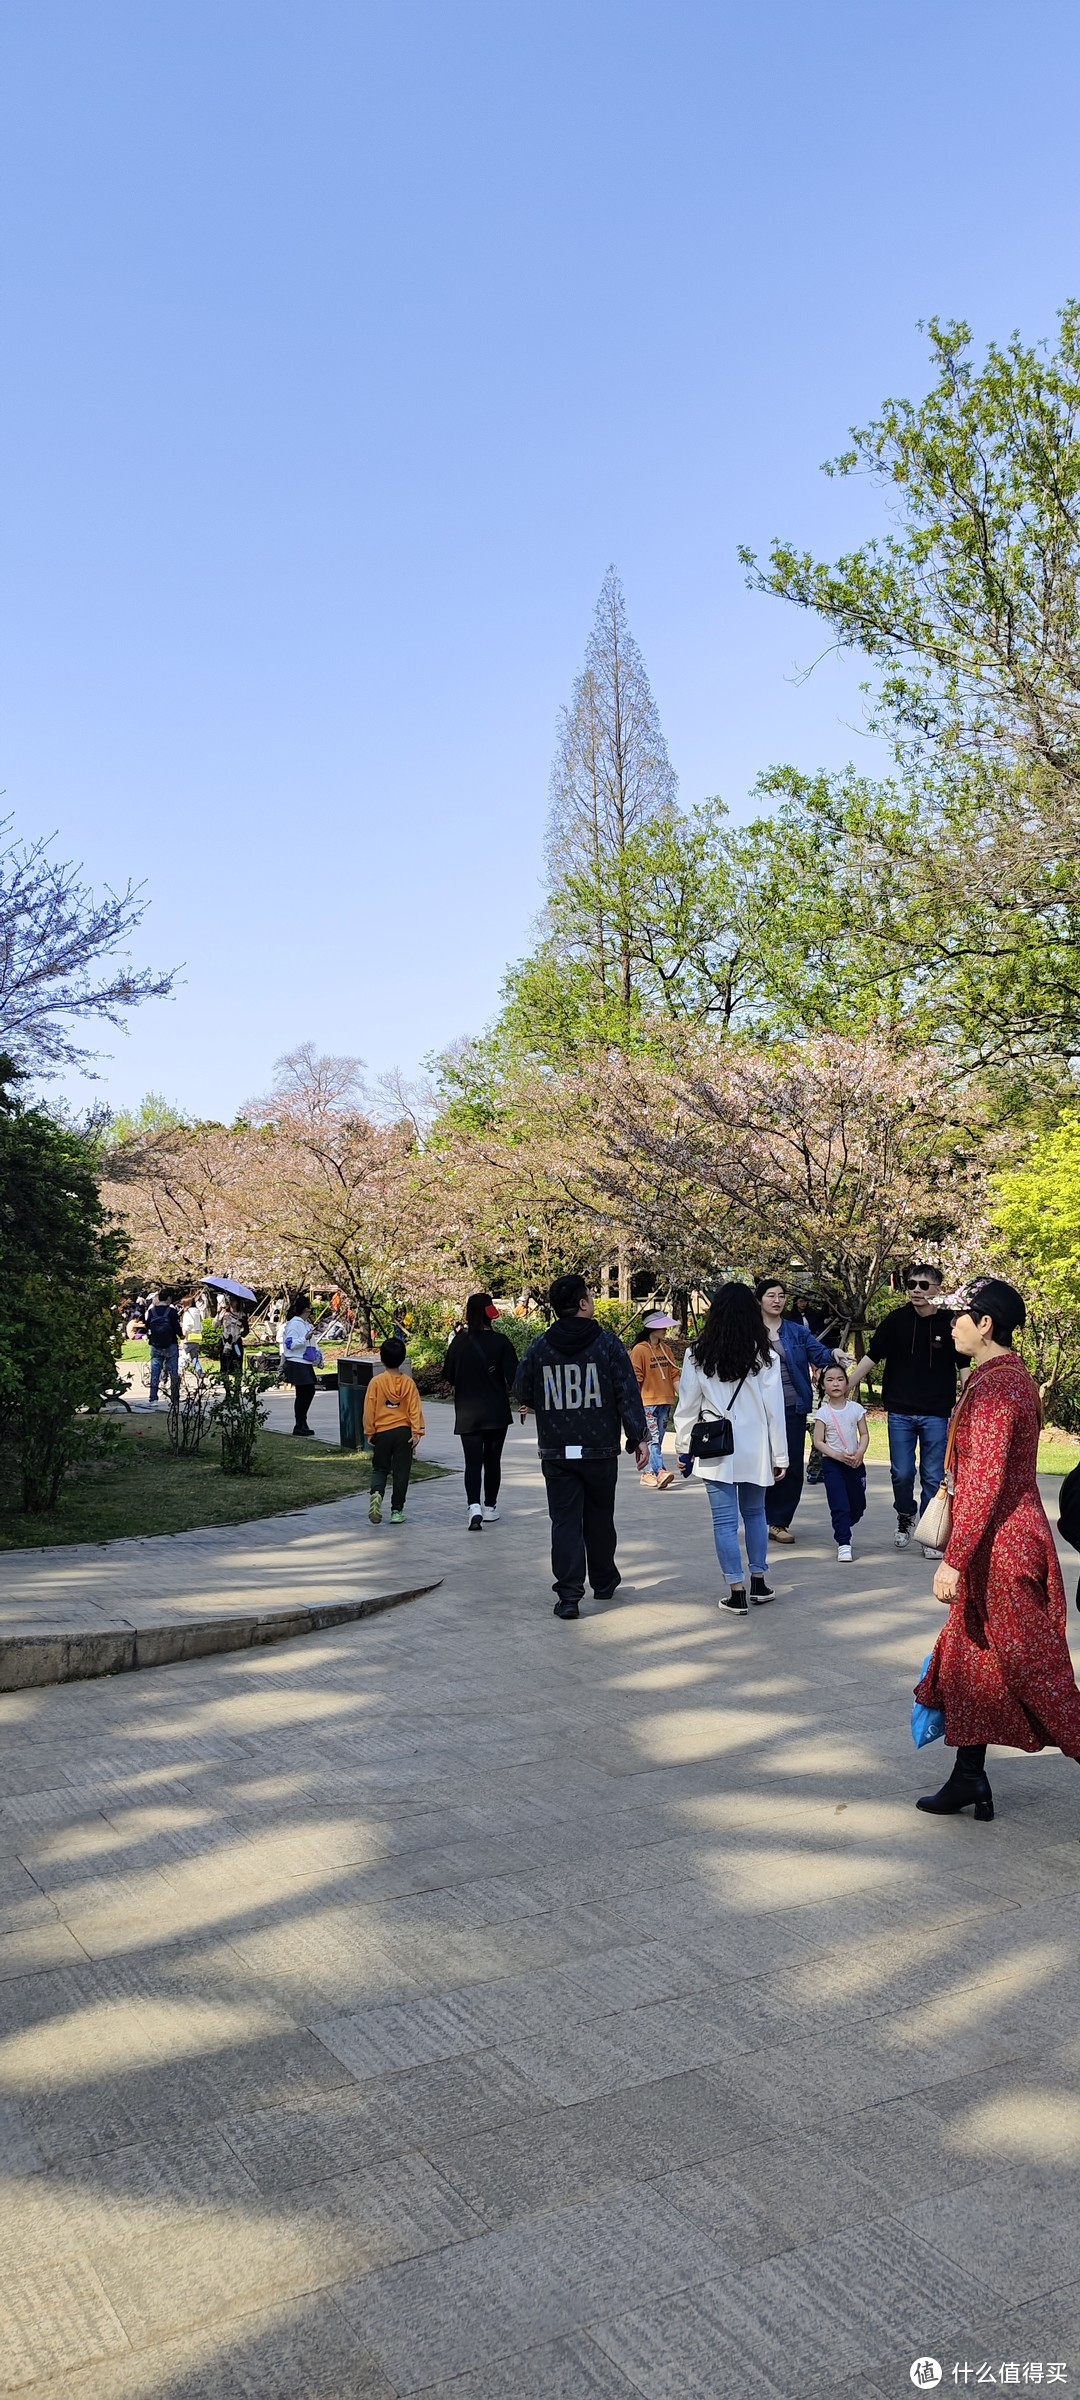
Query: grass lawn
{"x":1057,"y":1451}
{"x":144,"y":1489}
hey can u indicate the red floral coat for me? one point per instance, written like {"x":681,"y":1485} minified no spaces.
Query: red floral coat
{"x":1001,"y":1668}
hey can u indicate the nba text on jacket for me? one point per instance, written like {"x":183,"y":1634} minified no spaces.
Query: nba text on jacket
{"x":565,"y":1387}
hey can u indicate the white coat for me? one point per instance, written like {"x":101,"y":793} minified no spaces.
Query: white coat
{"x":757,"y":1417}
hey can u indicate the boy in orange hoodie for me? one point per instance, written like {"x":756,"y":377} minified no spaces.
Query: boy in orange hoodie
{"x":394,"y":1424}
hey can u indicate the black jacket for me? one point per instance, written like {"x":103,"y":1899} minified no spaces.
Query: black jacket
{"x":578,"y":1380}
{"x":481,"y":1367}
{"x":921,"y":1365}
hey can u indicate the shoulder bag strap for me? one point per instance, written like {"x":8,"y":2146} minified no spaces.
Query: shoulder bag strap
{"x":488,"y":1364}
{"x":723,"y":1412}
{"x":950,"y":1444}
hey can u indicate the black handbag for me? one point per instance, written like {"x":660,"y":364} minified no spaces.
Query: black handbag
{"x":714,"y":1437}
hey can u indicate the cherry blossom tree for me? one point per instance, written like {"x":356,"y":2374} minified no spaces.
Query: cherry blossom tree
{"x":838,"y":1158}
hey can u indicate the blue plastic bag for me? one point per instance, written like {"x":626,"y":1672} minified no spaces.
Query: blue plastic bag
{"x":927,"y":1724}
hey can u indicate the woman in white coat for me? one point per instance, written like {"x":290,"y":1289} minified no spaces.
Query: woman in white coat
{"x":731,"y":1372}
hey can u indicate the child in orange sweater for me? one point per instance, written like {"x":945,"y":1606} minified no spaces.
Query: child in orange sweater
{"x":394,"y":1424}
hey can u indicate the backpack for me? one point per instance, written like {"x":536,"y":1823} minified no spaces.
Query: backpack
{"x":159,"y":1327}
{"x":1069,"y":1508}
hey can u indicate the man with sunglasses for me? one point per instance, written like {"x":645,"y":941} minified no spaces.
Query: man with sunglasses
{"x":914,"y":1345}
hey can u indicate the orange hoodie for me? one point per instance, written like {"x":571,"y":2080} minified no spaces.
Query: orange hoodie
{"x":657,"y":1373}
{"x":392,"y":1399}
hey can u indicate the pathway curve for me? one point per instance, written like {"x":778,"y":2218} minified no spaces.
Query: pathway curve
{"x":312,"y":1555}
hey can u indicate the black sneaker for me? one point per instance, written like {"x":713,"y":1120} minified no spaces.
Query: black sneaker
{"x":736,"y":1602}
{"x":565,"y":1608}
{"x":760,"y":1591}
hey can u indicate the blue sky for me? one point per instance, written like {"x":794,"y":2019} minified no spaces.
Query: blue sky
{"x":345,"y":346}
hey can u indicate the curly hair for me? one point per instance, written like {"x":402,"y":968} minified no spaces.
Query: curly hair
{"x":733,"y":1341}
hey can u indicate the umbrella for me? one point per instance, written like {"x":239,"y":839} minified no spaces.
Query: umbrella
{"x":221,"y":1283}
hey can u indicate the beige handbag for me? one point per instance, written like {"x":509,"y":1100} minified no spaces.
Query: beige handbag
{"x":935,"y":1523}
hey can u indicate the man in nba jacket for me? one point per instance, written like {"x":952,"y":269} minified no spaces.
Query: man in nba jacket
{"x":579,"y":1383}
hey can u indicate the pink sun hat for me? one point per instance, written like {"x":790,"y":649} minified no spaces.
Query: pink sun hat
{"x":658,"y":1321}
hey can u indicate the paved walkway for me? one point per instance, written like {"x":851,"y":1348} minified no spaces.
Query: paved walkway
{"x":313,"y":1554}
{"x":473,"y":2005}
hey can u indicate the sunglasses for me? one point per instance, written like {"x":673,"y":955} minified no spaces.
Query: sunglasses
{"x":921,"y":1283}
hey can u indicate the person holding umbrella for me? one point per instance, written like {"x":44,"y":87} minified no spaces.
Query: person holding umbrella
{"x":657,"y":1371}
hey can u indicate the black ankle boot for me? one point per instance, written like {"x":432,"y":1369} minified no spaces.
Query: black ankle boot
{"x":963,"y":1790}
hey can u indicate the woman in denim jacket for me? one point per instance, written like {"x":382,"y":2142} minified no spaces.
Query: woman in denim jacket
{"x":796,"y":1350}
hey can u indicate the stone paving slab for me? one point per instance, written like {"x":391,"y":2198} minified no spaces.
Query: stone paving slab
{"x":468,"y":2005}
{"x":35,"y":1658}
{"x":312,"y":1557}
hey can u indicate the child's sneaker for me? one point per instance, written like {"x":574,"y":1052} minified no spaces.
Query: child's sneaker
{"x":843,"y":1551}
{"x":397,"y":1516}
{"x":375,"y":1509}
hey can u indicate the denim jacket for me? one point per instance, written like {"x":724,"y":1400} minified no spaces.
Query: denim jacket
{"x":800,"y":1348}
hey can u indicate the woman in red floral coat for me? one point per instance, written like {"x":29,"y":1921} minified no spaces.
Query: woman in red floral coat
{"x":1001,"y":1668}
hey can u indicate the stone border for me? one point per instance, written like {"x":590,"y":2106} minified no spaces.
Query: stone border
{"x":31,"y":1659}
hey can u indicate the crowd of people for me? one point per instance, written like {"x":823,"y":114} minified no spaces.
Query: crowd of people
{"x":740,"y":1403}
{"x":742,"y":1398}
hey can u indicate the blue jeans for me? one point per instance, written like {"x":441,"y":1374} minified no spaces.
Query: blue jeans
{"x":845,"y":1491}
{"x":656,"y":1418}
{"x":169,"y":1360}
{"x":729,"y":1501}
{"x":782,"y":1499}
{"x":928,"y":1435}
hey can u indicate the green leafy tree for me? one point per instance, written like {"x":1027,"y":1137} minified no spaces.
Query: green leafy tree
{"x":969,"y":609}
{"x":1035,"y":1208}
{"x":60,"y":1258}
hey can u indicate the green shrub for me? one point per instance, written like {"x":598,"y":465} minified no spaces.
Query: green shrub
{"x":621,"y":1317}
{"x":59,"y":1265}
{"x":192,"y":1413}
{"x":239,"y":1415}
{"x":522,"y":1330}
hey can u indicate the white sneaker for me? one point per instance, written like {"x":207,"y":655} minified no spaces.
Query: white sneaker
{"x":476,"y":1517}
{"x":929,"y":1551}
{"x":491,"y":1516}
{"x":902,"y":1536}
{"x":844,"y":1550}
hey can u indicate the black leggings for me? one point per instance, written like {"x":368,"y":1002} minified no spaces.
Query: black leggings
{"x":483,"y":1458}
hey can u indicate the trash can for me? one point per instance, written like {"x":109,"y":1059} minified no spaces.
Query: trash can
{"x":353,"y":1378}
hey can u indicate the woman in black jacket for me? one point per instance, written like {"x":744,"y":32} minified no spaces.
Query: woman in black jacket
{"x":481,"y":1364}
